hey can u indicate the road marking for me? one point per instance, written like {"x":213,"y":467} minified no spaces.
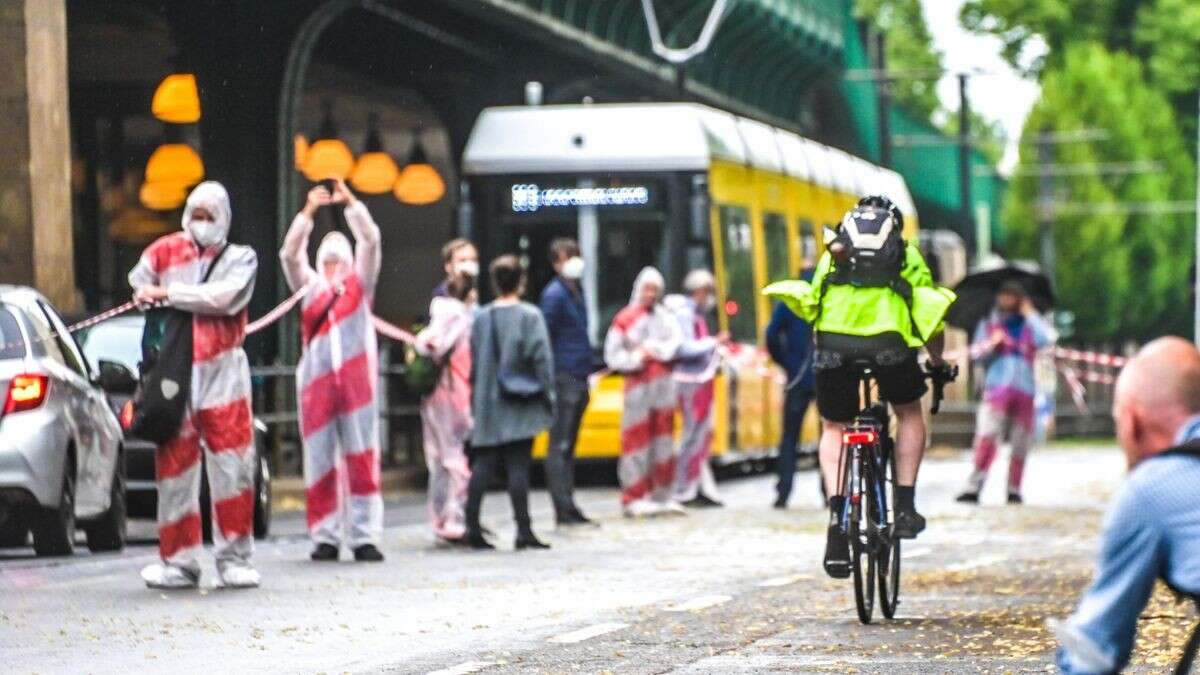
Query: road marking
{"x":917,"y":552}
{"x":702,"y":602}
{"x":783,"y":581}
{"x":463,"y":668}
{"x":587,"y":633}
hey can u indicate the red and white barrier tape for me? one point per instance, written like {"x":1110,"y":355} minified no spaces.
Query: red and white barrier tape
{"x":279,"y":310}
{"x":1077,"y":390}
{"x":1096,"y":358}
{"x":392,"y":331}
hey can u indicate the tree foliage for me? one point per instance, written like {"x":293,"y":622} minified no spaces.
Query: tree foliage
{"x":1124,"y":275}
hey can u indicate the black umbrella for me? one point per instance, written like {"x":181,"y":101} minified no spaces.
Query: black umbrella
{"x":977,"y":291}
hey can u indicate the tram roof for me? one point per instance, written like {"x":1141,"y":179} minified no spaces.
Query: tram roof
{"x":619,"y":137}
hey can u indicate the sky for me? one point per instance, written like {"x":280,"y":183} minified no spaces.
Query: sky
{"x":999,"y":93}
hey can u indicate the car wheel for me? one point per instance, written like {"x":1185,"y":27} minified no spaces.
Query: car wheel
{"x":14,"y":533}
{"x":54,"y":527}
{"x":262,"y":500}
{"x":108,"y":532}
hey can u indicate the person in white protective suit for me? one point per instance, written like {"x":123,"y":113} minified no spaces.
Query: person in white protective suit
{"x":337,"y":377}
{"x":641,"y":344}
{"x":218,"y":416}
{"x":695,"y":367}
{"x":446,"y":411}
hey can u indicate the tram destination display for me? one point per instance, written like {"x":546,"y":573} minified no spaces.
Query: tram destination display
{"x":531,"y":197}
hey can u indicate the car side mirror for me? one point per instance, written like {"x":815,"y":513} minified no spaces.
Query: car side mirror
{"x":116,"y":378}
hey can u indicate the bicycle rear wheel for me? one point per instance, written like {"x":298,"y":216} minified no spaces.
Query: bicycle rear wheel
{"x":862,"y":561}
{"x":889,"y":549}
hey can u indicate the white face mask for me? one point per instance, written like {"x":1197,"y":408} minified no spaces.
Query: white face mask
{"x":573,"y":268}
{"x":468,"y":268}
{"x":206,"y":232}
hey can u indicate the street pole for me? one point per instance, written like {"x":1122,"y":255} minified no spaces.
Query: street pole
{"x":1045,"y":211}
{"x":964,"y":163}
{"x":884,"y":98}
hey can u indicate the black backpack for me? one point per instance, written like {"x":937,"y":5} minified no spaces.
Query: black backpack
{"x":868,"y":248}
{"x":165,"y":384}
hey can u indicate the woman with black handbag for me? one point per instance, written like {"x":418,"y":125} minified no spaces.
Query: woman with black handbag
{"x":512,"y":397}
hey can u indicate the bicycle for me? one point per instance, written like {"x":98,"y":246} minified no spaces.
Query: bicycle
{"x":868,"y":479}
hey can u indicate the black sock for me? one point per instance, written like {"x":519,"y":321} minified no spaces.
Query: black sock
{"x":904,"y":497}
{"x":836,"y":504}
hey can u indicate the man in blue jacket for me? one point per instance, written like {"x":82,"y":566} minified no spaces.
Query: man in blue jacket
{"x":566,"y":319}
{"x":789,"y":341}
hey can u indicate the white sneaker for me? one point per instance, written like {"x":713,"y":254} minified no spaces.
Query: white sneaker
{"x":642,"y":508}
{"x":672,"y":508}
{"x":169,"y":577}
{"x":239,"y":575}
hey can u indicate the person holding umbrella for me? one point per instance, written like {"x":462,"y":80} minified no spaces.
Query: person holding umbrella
{"x":1006,"y":342}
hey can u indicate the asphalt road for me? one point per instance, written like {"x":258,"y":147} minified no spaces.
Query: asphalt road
{"x":727,"y":590}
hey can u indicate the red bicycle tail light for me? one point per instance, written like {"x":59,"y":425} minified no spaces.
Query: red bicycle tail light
{"x":127,"y":415}
{"x":858,"y":437}
{"x":26,"y":392}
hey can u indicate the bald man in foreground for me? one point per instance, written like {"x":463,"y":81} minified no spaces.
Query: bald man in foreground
{"x":1152,"y":529}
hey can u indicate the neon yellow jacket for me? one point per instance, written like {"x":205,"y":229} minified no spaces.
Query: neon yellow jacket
{"x":868,"y":311}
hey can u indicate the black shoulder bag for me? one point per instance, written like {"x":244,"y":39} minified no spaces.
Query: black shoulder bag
{"x":515,"y":385}
{"x":164,"y":387}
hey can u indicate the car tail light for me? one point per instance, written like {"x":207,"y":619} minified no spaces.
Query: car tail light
{"x":127,"y":415}
{"x":858,"y":437}
{"x":26,"y":392}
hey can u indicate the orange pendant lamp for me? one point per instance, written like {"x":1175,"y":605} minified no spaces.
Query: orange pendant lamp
{"x":419,"y":183}
{"x":299,"y":150}
{"x":376,"y":172}
{"x":328,"y":157}
{"x":162,"y":196}
{"x":175,"y":163}
{"x":177,"y":100}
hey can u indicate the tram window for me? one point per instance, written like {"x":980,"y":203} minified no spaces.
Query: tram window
{"x":807,"y":244}
{"x":625,"y":247}
{"x":737,"y":251}
{"x":778,"y":263}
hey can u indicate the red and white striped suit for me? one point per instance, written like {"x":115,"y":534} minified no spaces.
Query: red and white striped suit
{"x":218,"y":417}
{"x":336,"y":381}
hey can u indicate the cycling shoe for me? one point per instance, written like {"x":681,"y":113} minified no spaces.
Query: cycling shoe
{"x":837,"y":553}
{"x":908,"y":525}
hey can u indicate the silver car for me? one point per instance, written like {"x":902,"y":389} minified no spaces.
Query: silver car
{"x":60,"y":443}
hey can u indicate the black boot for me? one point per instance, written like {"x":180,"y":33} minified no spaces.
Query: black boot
{"x":526,"y":539}
{"x":368,"y":553}
{"x":324,"y":553}
{"x":474,"y":539}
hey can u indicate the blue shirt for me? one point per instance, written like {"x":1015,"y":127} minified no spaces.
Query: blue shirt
{"x":566,"y":319}
{"x":1152,"y":529}
{"x":789,"y":341}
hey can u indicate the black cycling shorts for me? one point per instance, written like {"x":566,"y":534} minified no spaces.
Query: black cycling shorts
{"x":896,"y":370}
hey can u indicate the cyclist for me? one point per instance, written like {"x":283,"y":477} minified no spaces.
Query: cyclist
{"x":872,"y":299}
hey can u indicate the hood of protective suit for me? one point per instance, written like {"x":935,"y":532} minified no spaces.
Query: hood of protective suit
{"x":335,"y":246}
{"x":212,"y":196}
{"x":648,"y":275}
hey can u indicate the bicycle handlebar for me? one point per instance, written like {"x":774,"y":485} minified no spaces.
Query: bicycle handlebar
{"x":939,"y":377}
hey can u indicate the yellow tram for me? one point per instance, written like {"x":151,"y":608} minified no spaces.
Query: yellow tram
{"x":677,"y":186}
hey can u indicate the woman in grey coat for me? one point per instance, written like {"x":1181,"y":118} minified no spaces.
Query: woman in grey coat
{"x":512,"y":397}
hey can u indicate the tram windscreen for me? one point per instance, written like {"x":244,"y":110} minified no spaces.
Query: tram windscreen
{"x":624,"y":247}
